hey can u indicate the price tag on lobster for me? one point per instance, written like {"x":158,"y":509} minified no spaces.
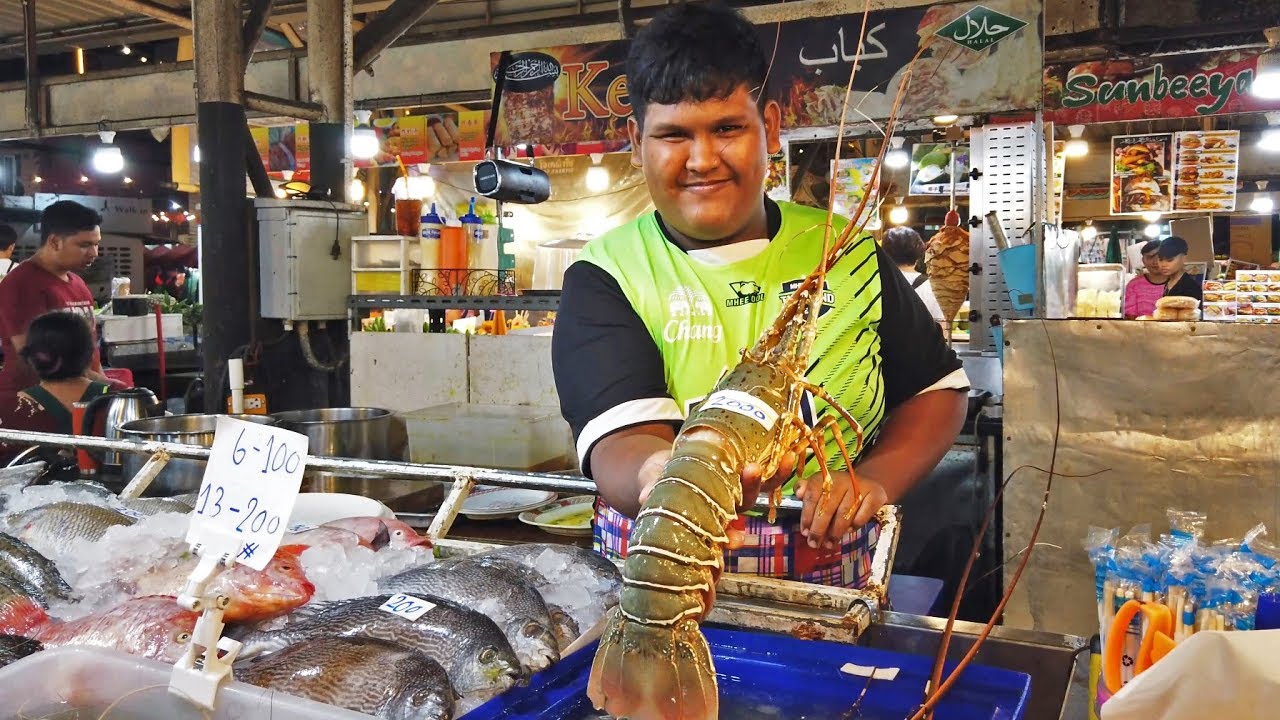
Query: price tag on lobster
{"x":248,"y":490}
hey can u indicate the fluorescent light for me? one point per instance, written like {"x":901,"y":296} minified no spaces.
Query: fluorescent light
{"x":945,"y":119}
{"x":1263,"y":205}
{"x":1152,"y":231}
{"x":897,"y":157}
{"x":195,"y":153}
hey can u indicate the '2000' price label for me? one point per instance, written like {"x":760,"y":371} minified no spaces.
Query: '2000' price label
{"x":736,"y":401}
{"x":248,"y":491}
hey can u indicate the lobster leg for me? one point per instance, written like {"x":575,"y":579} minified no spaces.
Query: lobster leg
{"x":830,"y":423}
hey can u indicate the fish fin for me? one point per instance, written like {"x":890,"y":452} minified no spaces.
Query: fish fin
{"x":650,"y":672}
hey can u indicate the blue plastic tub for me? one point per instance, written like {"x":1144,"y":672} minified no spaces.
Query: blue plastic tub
{"x":765,"y":676}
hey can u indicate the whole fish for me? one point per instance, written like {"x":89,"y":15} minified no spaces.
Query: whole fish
{"x":572,"y":609}
{"x":15,"y":647}
{"x":325,"y":536}
{"x":371,"y":676}
{"x":255,"y":595}
{"x":154,"y":627}
{"x":470,"y":647}
{"x":511,"y":602}
{"x":373,"y":531}
{"x":31,"y":572}
{"x":18,"y":612}
{"x":147,"y":506}
{"x":61,"y":523}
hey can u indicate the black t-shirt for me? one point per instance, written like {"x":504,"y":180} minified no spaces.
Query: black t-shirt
{"x":1187,"y":286}
{"x":604,"y":357}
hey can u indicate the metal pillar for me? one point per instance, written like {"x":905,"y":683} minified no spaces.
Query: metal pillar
{"x":33,"y":66}
{"x":329,"y":70}
{"x":225,"y":257}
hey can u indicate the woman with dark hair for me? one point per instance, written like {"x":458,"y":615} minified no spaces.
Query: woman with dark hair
{"x":59,"y":349}
{"x":906,"y":248}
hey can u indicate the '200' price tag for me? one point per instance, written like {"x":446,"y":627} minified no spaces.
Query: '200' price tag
{"x":406,"y":606}
{"x":248,"y":490}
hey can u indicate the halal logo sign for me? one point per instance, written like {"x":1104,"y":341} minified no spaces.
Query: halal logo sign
{"x":530,"y":71}
{"x":980,"y":28}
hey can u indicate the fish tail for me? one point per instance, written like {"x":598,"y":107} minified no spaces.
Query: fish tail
{"x":21,"y":616}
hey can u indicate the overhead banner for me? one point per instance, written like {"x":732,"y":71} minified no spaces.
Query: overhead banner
{"x":415,"y":139}
{"x":980,"y":58}
{"x":1195,"y":85}
{"x":286,"y":148}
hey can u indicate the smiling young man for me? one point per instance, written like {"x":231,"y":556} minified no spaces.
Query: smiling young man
{"x":654,"y":311}
{"x":70,"y":236}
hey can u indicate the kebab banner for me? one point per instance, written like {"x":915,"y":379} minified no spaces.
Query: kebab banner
{"x":985,"y":59}
{"x":1194,"y":85}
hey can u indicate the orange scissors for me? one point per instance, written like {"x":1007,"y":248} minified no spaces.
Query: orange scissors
{"x":1157,"y":641}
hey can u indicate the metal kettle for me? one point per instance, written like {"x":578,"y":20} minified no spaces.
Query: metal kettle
{"x":105,"y":414}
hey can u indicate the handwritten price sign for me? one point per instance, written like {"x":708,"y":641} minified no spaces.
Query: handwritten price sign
{"x":249,"y":488}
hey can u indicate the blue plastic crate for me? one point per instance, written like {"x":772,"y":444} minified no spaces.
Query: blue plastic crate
{"x":765,"y":676}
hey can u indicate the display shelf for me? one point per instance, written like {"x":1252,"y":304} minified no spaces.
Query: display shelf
{"x":450,"y":302}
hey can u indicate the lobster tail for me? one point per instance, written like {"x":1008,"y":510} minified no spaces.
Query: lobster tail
{"x":653,"y":672}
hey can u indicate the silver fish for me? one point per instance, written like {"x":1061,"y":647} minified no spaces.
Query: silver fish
{"x":470,"y":647}
{"x":371,"y":676}
{"x":512,"y":603}
{"x":32,"y":573}
{"x":60,"y":523}
{"x":15,"y":647}
{"x":148,"y":506}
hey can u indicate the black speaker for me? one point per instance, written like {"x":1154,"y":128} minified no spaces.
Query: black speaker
{"x":511,"y":182}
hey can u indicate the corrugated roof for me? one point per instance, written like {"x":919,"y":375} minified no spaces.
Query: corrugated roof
{"x":61,"y":14}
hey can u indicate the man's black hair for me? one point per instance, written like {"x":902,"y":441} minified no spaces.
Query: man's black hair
{"x":694,"y":52}
{"x":1150,"y":247}
{"x":904,"y":246}
{"x":59,"y":345}
{"x":1172,"y":247}
{"x":8,"y":237}
{"x":67,"y":217}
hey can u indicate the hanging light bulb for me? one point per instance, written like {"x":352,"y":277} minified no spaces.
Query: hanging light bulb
{"x":1151,"y":216}
{"x":897,"y":157}
{"x":108,"y":159}
{"x":1088,"y":232}
{"x":364,"y":141}
{"x":195,"y":154}
{"x":1152,"y":231}
{"x":899,"y":215}
{"x":355,"y":191}
{"x":1266,"y":83}
{"x":597,"y":174}
{"x":1262,"y":203}
{"x":1269,"y":141}
{"x":1077,"y":146}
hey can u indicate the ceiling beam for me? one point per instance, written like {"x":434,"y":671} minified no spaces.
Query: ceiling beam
{"x":385,"y":28}
{"x":291,"y":35}
{"x":254,"y":25}
{"x":153,"y":10}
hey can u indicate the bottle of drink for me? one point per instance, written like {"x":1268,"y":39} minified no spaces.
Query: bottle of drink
{"x":432,"y":224}
{"x":482,"y":252}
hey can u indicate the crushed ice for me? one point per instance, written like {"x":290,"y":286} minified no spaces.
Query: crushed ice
{"x":341,"y":573}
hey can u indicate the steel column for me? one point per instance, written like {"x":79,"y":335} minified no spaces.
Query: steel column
{"x":329,"y":71}
{"x":222,"y":131}
{"x":386,"y":28}
{"x":33,"y":66}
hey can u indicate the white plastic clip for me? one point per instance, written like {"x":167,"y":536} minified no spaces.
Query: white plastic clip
{"x":209,"y":656}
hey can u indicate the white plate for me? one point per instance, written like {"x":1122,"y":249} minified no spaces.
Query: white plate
{"x":320,"y":508}
{"x":493,"y":503}
{"x":546,"y":516}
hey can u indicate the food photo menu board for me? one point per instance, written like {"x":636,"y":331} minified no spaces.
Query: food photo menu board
{"x":1141,"y":174}
{"x":1206,"y":170}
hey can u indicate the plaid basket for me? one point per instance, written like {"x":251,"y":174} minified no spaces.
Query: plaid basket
{"x":777,"y":550}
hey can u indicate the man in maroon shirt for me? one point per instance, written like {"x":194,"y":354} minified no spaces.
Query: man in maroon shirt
{"x":47,"y":281}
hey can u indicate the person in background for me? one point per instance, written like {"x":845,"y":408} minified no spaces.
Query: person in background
{"x":906,"y":248}
{"x":1173,"y":265}
{"x":69,"y":235}
{"x":8,"y":243}
{"x":1142,"y":292}
{"x":59,"y":348}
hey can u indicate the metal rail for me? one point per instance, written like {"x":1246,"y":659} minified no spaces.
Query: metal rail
{"x":350,"y":466}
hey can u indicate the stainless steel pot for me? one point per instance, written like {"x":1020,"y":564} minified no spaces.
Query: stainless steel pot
{"x":348,"y":432}
{"x":178,"y":476}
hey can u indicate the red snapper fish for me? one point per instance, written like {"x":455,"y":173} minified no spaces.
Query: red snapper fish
{"x":153,"y":627}
{"x":256,"y":595}
{"x":382,"y":532}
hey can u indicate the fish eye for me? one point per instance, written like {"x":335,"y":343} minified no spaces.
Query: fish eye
{"x":286,"y":567}
{"x":532,"y":629}
{"x":182,"y":637}
{"x":488,"y":656}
